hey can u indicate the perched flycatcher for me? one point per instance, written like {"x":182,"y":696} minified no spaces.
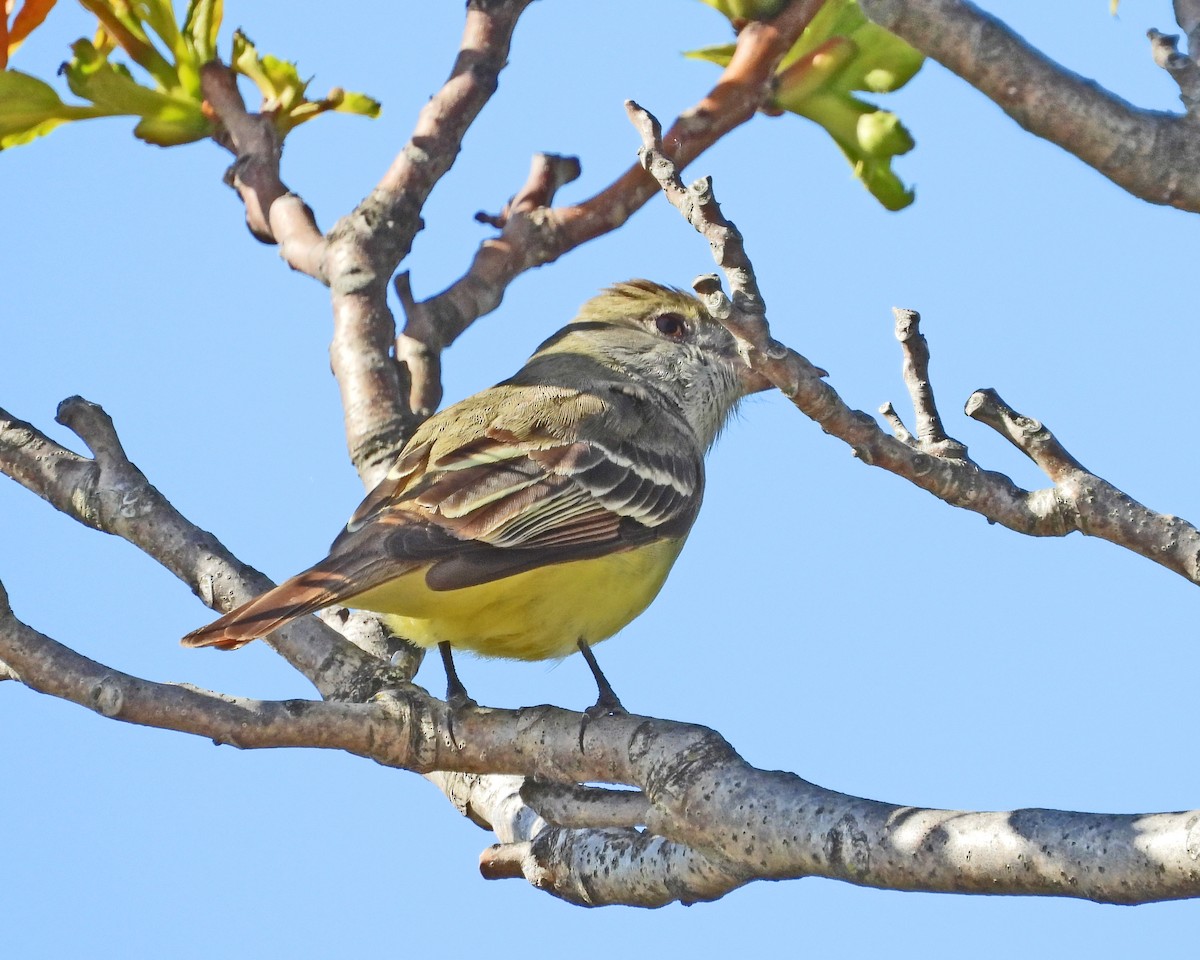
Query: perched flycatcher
{"x":543,"y":514}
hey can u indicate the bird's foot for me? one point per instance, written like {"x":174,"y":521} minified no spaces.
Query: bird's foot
{"x":457,"y":697}
{"x":607,"y":704}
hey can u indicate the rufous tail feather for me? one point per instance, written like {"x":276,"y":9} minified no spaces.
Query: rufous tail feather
{"x":303,"y":594}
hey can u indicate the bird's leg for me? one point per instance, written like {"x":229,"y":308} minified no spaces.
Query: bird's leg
{"x":456,"y":693}
{"x":607,"y":704}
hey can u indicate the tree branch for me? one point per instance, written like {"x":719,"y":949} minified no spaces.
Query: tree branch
{"x":931,"y":434}
{"x":432,"y":325}
{"x":360,"y":254}
{"x":540,"y":234}
{"x":1152,"y":155}
{"x":366,"y":729}
{"x":1183,"y":69}
{"x":273,"y":213}
{"x":109,"y":493}
{"x":712,"y":821}
{"x":572,"y":805}
{"x":1078,"y":501}
{"x":366,"y":246}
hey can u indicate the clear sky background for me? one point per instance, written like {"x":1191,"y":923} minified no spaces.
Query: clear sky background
{"x":826,"y":617}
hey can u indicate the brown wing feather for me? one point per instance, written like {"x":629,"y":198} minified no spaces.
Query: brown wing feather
{"x":512,"y":499}
{"x":407,"y":468}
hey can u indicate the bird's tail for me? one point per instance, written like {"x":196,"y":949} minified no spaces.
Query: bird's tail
{"x":302,"y":594}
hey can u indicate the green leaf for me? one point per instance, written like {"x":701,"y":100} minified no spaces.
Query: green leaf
{"x":170,"y":109}
{"x":839,"y":53}
{"x":14,"y":136}
{"x":123,"y":24}
{"x":720,"y":54}
{"x":172,"y":126}
{"x":200,"y":25}
{"x":277,"y":80}
{"x":167,"y":118}
{"x":20,"y":91}
{"x":869,"y":137}
{"x":284,"y":92}
{"x":30,"y":108}
{"x":360,"y":104}
{"x":160,"y":16}
{"x":110,"y":86}
{"x":883,"y":62}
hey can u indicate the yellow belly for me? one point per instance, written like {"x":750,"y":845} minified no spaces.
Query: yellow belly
{"x":536,"y":615}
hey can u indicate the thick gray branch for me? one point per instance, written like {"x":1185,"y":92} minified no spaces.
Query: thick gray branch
{"x":1151,"y":154}
{"x":111,"y":494}
{"x":712,"y":821}
{"x":359,"y":255}
{"x":366,"y":246}
{"x":367,"y":729}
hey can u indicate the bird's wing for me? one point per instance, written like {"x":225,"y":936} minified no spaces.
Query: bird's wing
{"x":555,"y":501}
{"x":516,"y":496}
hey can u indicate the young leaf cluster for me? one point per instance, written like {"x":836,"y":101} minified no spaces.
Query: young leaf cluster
{"x":840,"y":52}
{"x":161,"y":84}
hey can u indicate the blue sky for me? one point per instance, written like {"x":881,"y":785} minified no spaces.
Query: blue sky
{"x":826,"y":617}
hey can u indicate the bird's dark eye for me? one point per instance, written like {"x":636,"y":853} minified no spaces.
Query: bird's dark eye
{"x":671,"y":325}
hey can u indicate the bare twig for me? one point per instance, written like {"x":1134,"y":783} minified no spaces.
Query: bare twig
{"x":273,"y":213}
{"x":1079,"y":501}
{"x":1093,"y":505}
{"x":432,"y":325}
{"x":111,"y":494}
{"x":888,"y":412}
{"x":1027,"y":435}
{"x":541,"y":235}
{"x":1183,"y":69}
{"x":548,"y":174}
{"x":931,"y":434}
{"x":1150,"y":154}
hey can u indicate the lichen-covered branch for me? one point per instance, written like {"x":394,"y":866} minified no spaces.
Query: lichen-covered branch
{"x":1078,"y":501}
{"x":1151,"y":154}
{"x":712,"y":822}
{"x":109,"y":493}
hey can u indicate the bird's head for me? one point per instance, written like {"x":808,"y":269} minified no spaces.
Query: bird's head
{"x":664,"y":338}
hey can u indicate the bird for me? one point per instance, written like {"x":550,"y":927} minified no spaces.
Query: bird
{"x":539,"y":516}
